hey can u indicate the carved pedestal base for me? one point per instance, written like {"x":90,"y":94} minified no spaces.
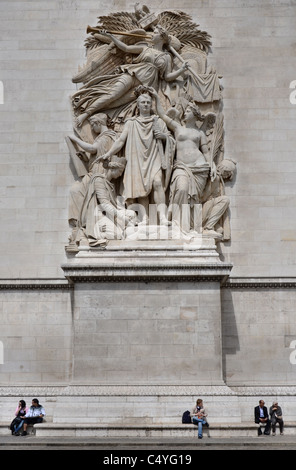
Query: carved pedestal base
{"x":148,"y":313}
{"x":147,"y":320}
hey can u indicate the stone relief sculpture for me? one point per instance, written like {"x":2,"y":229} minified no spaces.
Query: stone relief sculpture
{"x":104,"y":138}
{"x":148,"y":115}
{"x":150,"y":150}
{"x":102,"y":216}
{"x":192,"y":166}
{"x":215,"y":203}
{"x":151,"y":67}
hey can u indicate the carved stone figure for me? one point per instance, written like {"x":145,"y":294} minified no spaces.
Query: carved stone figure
{"x":192,"y":165}
{"x":151,"y":64}
{"x":102,"y":142}
{"x":216,"y":203}
{"x":149,"y":149}
{"x":171,"y":157}
{"x":102,"y":215}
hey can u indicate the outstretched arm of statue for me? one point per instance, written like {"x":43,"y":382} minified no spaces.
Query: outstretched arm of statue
{"x":115,"y":148}
{"x":161,"y":112}
{"x":84,"y":145}
{"x":132,"y":49}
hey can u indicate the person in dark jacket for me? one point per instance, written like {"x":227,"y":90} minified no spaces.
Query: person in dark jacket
{"x":18,"y":422}
{"x":276,"y":416}
{"x":261,"y":418}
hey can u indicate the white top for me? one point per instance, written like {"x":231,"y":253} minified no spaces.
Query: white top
{"x":35,"y":412}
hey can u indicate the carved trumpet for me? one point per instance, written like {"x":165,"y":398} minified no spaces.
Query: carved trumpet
{"x":90,"y":29}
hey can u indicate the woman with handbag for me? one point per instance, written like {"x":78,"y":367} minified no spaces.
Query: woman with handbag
{"x":276,"y":416}
{"x":18,"y":421}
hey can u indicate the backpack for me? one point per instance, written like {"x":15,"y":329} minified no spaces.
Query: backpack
{"x":186,"y":418}
{"x":14,"y":422}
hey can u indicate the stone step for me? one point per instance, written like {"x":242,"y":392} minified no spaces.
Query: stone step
{"x":49,"y":429}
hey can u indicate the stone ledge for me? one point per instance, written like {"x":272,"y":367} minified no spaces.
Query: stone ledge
{"x":216,"y":430}
{"x":162,"y":260}
{"x":35,"y":284}
{"x":160,"y":270}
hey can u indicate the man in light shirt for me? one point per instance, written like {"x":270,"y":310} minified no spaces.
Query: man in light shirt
{"x":35,"y":415}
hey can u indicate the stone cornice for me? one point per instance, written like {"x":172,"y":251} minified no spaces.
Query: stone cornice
{"x":35,"y":284}
{"x":143,"y":261}
{"x":147,"y":272}
{"x":209,"y":273}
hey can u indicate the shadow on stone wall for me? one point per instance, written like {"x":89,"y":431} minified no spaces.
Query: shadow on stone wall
{"x":230,"y":339}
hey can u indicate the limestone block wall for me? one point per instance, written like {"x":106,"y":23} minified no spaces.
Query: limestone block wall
{"x":253,"y":50}
{"x":36,"y":334}
{"x":42,"y":45}
{"x":258,"y":331}
{"x":144,"y":344}
{"x":147,"y":333}
{"x":148,"y":409}
{"x":119,"y":409}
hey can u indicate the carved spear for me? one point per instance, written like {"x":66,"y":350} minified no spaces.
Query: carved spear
{"x":175,"y":53}
{"x":90,"y":29}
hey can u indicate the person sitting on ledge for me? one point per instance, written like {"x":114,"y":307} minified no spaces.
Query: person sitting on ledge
{"x":35,"y":415}
{"x":261,"y":418}
{"x":199,"y":416}
{"x":18,"y":422}
{"x":276,"y":416}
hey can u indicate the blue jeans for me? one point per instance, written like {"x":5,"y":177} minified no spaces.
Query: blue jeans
{"x":198,"y":422}
{"x":17,"y":427}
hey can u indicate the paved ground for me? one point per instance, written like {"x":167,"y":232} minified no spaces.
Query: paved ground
{"x":147,"y":444}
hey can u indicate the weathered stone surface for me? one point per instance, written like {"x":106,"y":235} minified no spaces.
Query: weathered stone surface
{"x":253,"y":49}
